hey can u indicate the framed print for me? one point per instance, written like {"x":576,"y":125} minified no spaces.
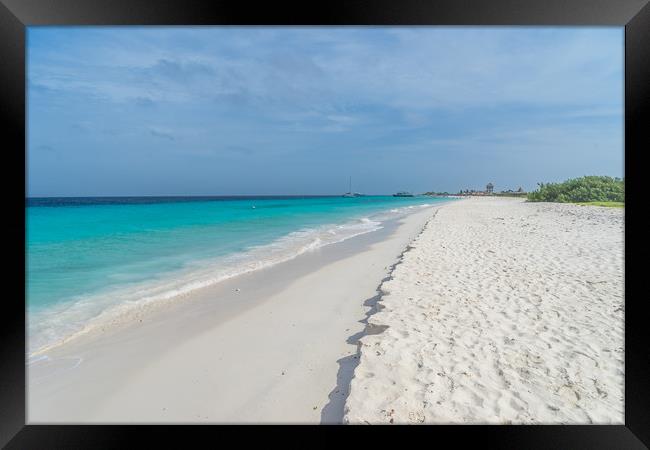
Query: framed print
{"x":349,"y":213}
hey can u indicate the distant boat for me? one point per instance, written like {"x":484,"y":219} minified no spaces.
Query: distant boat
{"x":403,"y":194}
{"x":349,"y":193}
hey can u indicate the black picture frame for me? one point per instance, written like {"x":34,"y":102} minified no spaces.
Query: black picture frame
{"x":16,"y":15}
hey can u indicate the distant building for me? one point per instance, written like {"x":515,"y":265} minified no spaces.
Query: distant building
{"x":489,"y":188}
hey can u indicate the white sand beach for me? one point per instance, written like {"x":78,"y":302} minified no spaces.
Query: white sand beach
{"x":501,"y":311}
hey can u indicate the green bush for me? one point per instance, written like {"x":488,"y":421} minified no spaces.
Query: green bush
{"x":584,"y":189}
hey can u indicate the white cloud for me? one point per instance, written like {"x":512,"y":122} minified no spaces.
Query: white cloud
{"x":404,"y":68}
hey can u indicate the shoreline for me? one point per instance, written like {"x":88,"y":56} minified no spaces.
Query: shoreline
{"x":171,"y":343}
{"x":484,"y":311}
{"x":141,"y":298}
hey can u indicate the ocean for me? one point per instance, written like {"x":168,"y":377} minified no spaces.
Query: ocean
{"x":88,"y":259}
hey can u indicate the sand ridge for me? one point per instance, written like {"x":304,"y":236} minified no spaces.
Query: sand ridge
{"x":501,"y":311}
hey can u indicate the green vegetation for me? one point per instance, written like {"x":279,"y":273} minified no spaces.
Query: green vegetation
{"x":510,"y":194}
{"x":587,"y":189}
{"x":608,"y":204}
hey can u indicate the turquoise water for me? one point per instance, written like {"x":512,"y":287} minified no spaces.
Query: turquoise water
{"x":88,"y":258}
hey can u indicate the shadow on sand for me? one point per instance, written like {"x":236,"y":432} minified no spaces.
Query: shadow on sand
{"x":333,"y":412}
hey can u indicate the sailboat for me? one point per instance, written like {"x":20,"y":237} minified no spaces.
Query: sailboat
{"x":350,"y":193}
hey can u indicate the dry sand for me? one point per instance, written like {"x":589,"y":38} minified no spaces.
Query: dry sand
{"x":501,"y":311}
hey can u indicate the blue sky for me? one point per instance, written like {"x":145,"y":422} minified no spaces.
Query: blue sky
{"x":296,"y":110}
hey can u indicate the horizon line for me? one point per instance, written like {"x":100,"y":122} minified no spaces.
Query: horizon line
{"x":205,"y":195}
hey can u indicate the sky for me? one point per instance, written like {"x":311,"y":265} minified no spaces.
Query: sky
{"x":298,"y":110}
